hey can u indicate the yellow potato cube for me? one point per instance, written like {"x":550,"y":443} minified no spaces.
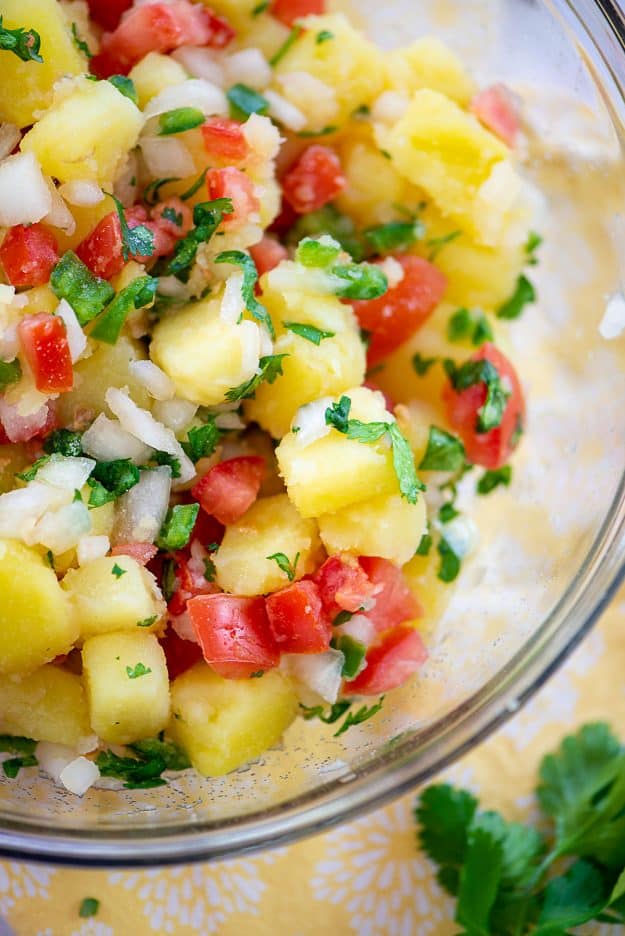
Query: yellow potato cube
{"x":153,"y":74}
{"x":272,"y":525}
{"x":429,"y":63}
{"x":369,"y":204}
{"x":434,"y":595}
{"x":48,"y":705}
{"x":445,"y":151}
{"x":26,"y":87}
{"x":384,"y":526}
{"x":334,"y":471}
{"x":36,"y":620}
{"x":127,"y":686}
{"x":86,"y":218}
{"x":40,"y":299}
{"x":113,"y":593}
{"x":86,"y":134}
{"x":224,"y":723}
{"x":204,"y":355}
{"x":347,"y":63}
{"x":102,"y":518}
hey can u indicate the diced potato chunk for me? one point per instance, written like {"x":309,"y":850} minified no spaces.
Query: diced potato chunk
{"x":204,"y":355}
{"x":86,"y":134}
{"x":48,"y":705}
{"x":384,"y":526}
{"x":347,"y":62}
{"x":434,"y":595}
{"x":36,"y":620}
{"x":153,"y":74}
{"x":26,"y":87}
{"x":429,"y":63}
{"x":370,"y":204}
{"x":111,"y":594}
{"x":334,"y":471}
{"x":272,"y":525}
{"x":224,"y":723}
{"x":127,"y":686}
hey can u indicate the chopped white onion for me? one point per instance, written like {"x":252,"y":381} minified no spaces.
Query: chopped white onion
{"x":358,"y":628}
{"x":125,"y":187}
{"x":54,"y":758}
{"x":140,"y":512}
{"x":196,"y":92}
{"x":10,"y":135}
{"x":312,"y":95}
{"x":390,"y":107}
{"x":176,"y":414}
{"x":183,"y":627}
{"x":60,"y":530}
{"x":393,"y":270}
{"x":76,"y":338}
{"x":79,"y":775}
{"x":171,"y":286}
{"x":248,"y":67}
{"x":284,"y":112}
{"x":613,"y":322}
{"x":82,"y":192}
{"x":232,"y":302}
{"x":18,"y":425}
{"x":249,"y":334}
{"x":24,"y":194}
{"x":63,"y":471}
{"x":310,"y":421}
{"x":166,"y":156}
{"x":262,"y":136}
{"x":229,"y":421}
{"x":59,"y":215}
{"x":106,"y":440}
{"x":155,"y":380}
{"x":21,"y":509}
{"x":90,"y":548}
{"x":461,"y":534}
{"x":141,"y":424}
{"x":201,"y":63}
{"x":319,"y":673}
{"x":266,"y":344}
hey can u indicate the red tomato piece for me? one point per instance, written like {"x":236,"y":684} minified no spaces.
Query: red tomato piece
{"x":141,"y":552}
{"x":394,"y":317}
{"x":395,"y":602}
{"x":173,"y":216}
{"x":390,"y":663}
{"x":344,"y":586}
{"x":224,"y":138}
{"x":190,"y":581}
{"x":287,"y":11}
{"x":107,"y":13}
{"x":207,"y":529}
{"x":180,"y":655}
{"x":43,"y":339}
{"x":234,"y":184}
{"x":28,"y":255}
{"x":283,"y":223}
{"x":496,"y":108}
{"x":101,"y":250}
{"x":490,"y":449}
{"x":297,"y":620}
{"x":234,"y":634}
{"x":268,"y":254}
{"x":314,"y":180}
{"x":231,"y":487}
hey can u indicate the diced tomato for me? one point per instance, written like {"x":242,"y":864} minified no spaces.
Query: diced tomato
{"x":18,"y":428}
{"x":140,"y":552}
{"x":314,"y":180}
{"x":224,"y":138}
{"x":28,"y":255}
{"x":107,"y":13}
{"x":297,"y":619}
{"x":173,"y":216}
{"x":285,"y":219}
{"x":234,"y":634}
{"x":207,"y":530}
{"x":190,"y":581}
{"x":496,"y":108}
{"x":268,"y":254}
{"x":101,"y":250}
{"x":231,"y":487}
{"x":344,"y":586}
{"x":395,"y":602}
{"x":287,"y":11}
{"x":234,"y":184}
{"x":159,"y":27}
{"x":390,"y":663}
{"x":43,"y":338}
{"x":394,"y":317}
{"x":490,"y":449}
{"x":180,"y":654}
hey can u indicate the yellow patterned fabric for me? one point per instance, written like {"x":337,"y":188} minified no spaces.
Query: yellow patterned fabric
{"x":365,"y":878}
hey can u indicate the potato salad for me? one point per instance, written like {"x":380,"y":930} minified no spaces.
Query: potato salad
{"x":255,"y":280}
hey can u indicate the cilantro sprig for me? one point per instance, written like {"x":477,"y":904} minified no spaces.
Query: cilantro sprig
{"x":285,"y":565}
{"x":510,"y":879}
{"x":207,"y":216}
{"x":469,"y":325}
{"x":444,"y":452}
{"x":269,"y":369}
{"x":24,"y":751}
{"x":336,"y":712}
{"x":152,"y":757}
{"x":250,"y":278}
{"x":25,"y":43}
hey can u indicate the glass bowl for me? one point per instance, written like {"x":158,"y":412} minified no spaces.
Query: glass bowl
{"x":553,"y":544}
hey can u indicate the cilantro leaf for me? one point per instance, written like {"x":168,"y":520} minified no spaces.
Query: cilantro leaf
{"x":109,"y":480}
{"x":80,"y":44}
{"x":250,"y":278}
{"x":493,"y":479}
{"x":177,"y":527}
{"x":317,"y":252}
{"x":137,"y":241}
{"x":270,"y":368}
{"x":480,"y":878}
{"x":136,"y":295}
{"x":450,"y":563}
{"x":338,"y":709}
{"x":125,"y":86}
{"x":468,"y":325}
{"x":16,"y":744}
{"x":63,"y":442}
{"x":403,"y":462}
{"x":147,"y":622}
{"x":523,"y":294}
{"x":444,"y":815}
{"x":309,"y":332}
{"x":170,"y":461}
{"x":202,"y":441}
{"x":207,"y":216}
{"x":572,"y":899}
{"x":396,"y":235}
{"x":173,"y":756}
{"x":447,"y":513}
{"x":362,"y":280}
{"x":444,"y":452}
{"x":328,"y":220}
{"x":284,"y":564}
{"x":138,"y":670}
{"x":89,"y":907}
{"x":117,"y":571}
{"x":13,"y":765}
{"x":87,"y":294}
{"x":179,"y":120}
{"x":363,"y":714}
{"x":244,"y":101}
{"x":425,"y":546}
{"x":25,"y":43}
{"x":31,"y":473}
{"x":292,"y":38}
{"x":337,"y":414}
{"x":137,"y":773}
{"x":472,"y":372}
{"x":532,"y":244}
{"x":421,"y":365}
{"x":324,"y":35}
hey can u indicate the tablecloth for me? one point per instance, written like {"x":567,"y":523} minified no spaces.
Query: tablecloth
{"x":366,"y":877}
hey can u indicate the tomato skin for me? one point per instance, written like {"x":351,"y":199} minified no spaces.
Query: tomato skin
{"x":495,"y":107}
{"x":43,"y":339}
{"x":224,"y":138}
{"x":394,"y":317}
{"x":180,"y":655}
{"x":490,"y":449}
{"x":297,"y":620}
{"x":140,"y":552}
{"x":230,"y":488}
{"x":268,"y":254}
{"x":343,"y":586}
{"x":395,"y":602}
{"x":28,"y":255}
{"x":234,"y":184}
{"x":287,"y":11}
{"x":234,"y":634}
{"x":176,"y":207}
{"x":313,"y":180}
{"x":107,"y":13}
{"x":400,"y":653}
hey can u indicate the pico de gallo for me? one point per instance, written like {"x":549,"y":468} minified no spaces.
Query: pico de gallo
{"x":255,"y":281}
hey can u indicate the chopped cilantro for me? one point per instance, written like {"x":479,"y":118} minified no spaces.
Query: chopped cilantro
{"x":170,"y":214}
{"x":179,"y":120}
{"x":317,"y":251}
{"x":468,"y":325}
{"x":77,"y":496}
{"x":137,"y":241}
{"x":87,"y":294}
{"x":309,"y":332}
{"x":207,"y":216}
{"x":447,"y":513}
{"x":325,"y":131}
{"x":362,"y":280}
{"x":80,"y":44}
{"x":342,"y":618}
{"x":117,"y":571}
{"x":202,"y":440}
{"x":532,"y":244}
{"x":89,"y":907}
{"x":493,"y":479}
{"x":261,"y":7}
{"x":523,"y":294}
{"x":148,"y":621}
{"x":323,"y":35}
{"x":338,"y":710}
{"x":169,"y":581}
{"x":138,"y":670}
{"x":436,"y":244}
{"x":10,"y":373}
{"x":63,"y":442}
{"x":244,"y":102}
{"x":50,"y":559}
{"x":143,"y":771}
{"x":361,"y":112}
{"x":284,"y":564}
{"x":197,"y":185}
{"x":125,"y":86}
{"x":210,"y":571}
{"x":136,"y":295}
{"x":25,"y":43}
{"x":491,"y":412}
{"x":424,"y":547}
{"x":13,"y":765}
{"x":328,"y":220}
{"x":177,"y":527}
{"x":31,"y":473}
{"x":109,"y":480}
{"x":450,"y":563}
{"x":250,"y":278}
{"x":170,"y":461}
{"x":354,"y":653}
{"x":17,"y":744}
{"x":269,"y":369}
{"x":291,"y":39}
{"x":444,"y":452}
{"x":421,"y":365}
{"x":151,"y":192}
{"x":396,"y":235}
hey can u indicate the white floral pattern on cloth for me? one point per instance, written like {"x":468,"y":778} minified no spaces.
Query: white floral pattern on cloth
{"x":23,"y":882}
